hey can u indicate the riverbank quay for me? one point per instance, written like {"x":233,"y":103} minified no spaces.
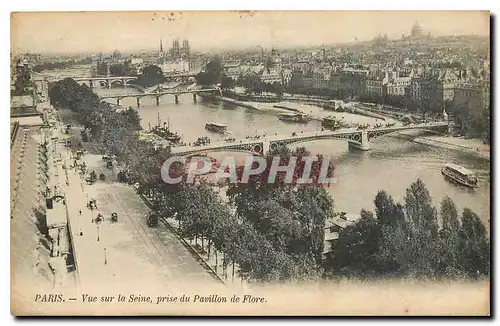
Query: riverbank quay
{"x":228,"y":100}
{"x":471,"y":146}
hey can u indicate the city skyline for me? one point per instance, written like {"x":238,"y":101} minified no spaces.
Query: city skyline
{"x":207,"y":31}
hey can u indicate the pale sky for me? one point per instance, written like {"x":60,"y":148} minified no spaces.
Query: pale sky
{"x":130,"y":31}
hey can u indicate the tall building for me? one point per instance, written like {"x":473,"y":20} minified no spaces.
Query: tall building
{"x":175,"y":51}
{"x":161,"y":54}
{"x":185,"y":51}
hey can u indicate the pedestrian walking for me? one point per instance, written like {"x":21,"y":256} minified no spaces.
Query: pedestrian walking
{"x":80,"y":211}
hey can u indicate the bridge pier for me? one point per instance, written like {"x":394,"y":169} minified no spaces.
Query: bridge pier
{"x":138,"y":99}
{"x":108,"y":84}
{"x":91,"y":83}
{"x":176,"y":99}
{"x":265,"y":148}
{"x":158,"y":100}
{"x":364,"y":144}
{"x":118,"y":100}
{"x":194,"y":98}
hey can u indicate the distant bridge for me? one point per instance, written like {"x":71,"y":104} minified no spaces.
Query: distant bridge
{"x":108,"y":81}
{"x":358,"y":139}
{"x":159,"y":94}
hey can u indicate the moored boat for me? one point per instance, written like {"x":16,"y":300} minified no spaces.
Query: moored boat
{"x":294,"y":117}
{"x":459,"y":174}
{"x":164,"y":132}
{"x":202,"y":141}
{"x":216,"y":127}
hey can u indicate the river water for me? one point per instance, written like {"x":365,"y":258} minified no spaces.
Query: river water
{"x":392,"y":164}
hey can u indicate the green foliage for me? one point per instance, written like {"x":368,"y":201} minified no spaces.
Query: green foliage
{"x":254,"y":85}
{"x":212,"y":74}
{"x":151,"y":75}
{"x":405,"y":240}
{"x":288,"y":220}
{"x":61,"y":65}
{"x":23,"y":82}
{"x":227,"y":82}
{"x":473,"y":246}
{"x":122,"y":69}
{"x":355,"y":251}
{"x":132,"y":117}
{"x":449,"y":237}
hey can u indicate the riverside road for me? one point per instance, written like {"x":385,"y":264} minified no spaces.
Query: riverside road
{"x":110,"y":255}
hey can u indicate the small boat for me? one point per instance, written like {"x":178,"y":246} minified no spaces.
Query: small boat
{"x":216,"y":127}
{"x":333,"y":106}
{"x":294,"y":117}
{"x":459,"y":174}
{"x":332,"y":123}
{"x":201,"y":141}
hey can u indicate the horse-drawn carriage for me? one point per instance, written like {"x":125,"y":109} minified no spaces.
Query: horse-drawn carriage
{"x":92,"y":204}
{"x":100,"y":218}
{"x":91,"y":178}
{"x":153,"y":219}
{"x":109,"y":160}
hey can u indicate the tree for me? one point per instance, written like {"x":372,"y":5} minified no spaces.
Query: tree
{"x":212,"y":74}
{"x":449,"y":238}
{"x":278,"y":88}
{"x":473,"y":245}
{"x":227,"y":82}
{"x":386,"y":211}
{"x":289,"y":216}
{"x":22,"y":82}
{"x":151,"y":75}
{"x":402,"y":241}
{"x":122,"y":69}
{"x":423,"y":235}
{"x":132,"y":118}
{"x":419,"y":209}
{"x":354,"y":252}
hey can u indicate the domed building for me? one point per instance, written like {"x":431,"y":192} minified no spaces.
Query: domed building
{"x":417,"y":34}
{"x":416,"y":31}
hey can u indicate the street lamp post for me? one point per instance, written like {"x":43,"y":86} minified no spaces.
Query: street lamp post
{"x":97,"y":232}
{"x":105,"y":258}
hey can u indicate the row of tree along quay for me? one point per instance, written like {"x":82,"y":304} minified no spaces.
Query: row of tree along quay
{"x":274,"y":232}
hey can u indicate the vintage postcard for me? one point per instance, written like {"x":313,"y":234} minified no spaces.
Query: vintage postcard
{"x":259,"y":163}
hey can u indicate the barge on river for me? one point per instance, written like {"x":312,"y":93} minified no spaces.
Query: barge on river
{"x":216,"y":127}
{"x":459,"y":175}
{"x":295,"y":117}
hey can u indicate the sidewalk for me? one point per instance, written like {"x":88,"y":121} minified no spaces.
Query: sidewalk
{"x":214,"y":260}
